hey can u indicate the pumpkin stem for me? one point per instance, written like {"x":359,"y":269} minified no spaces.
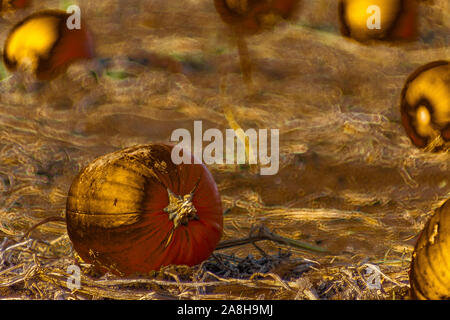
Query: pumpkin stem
{"x":180,"y":208}
{"x":261,"y":232}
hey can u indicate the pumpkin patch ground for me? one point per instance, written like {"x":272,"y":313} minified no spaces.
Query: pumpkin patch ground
{"x":349,"y":181}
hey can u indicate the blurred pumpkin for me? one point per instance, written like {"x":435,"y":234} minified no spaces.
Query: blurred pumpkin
{"x":253,"y":16}
{"x":134,"y":210}
{"x":43,"y":44}
{"x":430,"y":266}
{"x":425,"y":106}
{"x":397,"y":19}
{"x":12,"y":5}
{"x":248,"y":17}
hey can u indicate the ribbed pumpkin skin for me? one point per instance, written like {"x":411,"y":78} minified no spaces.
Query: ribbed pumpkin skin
{"x":430,"y":266}
{"x":115,"y":216}
{"x":249,"y":16}
{"x":69,"y":45}
{"x":427,"y":87}
{"x":398,"y":19}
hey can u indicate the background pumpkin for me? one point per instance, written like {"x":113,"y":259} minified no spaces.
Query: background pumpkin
{"x":430,"y":266}
{"x":248,"y":17}
{"x":119,"y":217}
{"x":44,"y":45}
{"x":398,"y":19}
{"x":11,"y":5}
{"x":425,"y":105}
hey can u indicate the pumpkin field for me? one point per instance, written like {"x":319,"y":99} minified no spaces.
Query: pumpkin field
{"x":338,"y":221}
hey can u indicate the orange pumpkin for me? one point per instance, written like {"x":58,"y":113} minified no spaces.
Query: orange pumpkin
{"x":425,"y":106}
{"x":134,"y":210}
{"x":11,"y":5}
{"x":252,"y":16}
{"x":398,"y":19}
{"x":430,"y":265}
{"x":247,"y":17}
{"x":43,"y":44}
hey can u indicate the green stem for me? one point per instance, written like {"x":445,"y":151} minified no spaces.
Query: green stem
{"x":262,"y":233}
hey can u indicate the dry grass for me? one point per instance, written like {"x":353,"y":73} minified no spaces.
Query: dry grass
{"x":349,"y":178}
{"x":34,"y":269}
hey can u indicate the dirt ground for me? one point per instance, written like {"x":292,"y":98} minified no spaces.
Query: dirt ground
{"x":349,"y":179}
